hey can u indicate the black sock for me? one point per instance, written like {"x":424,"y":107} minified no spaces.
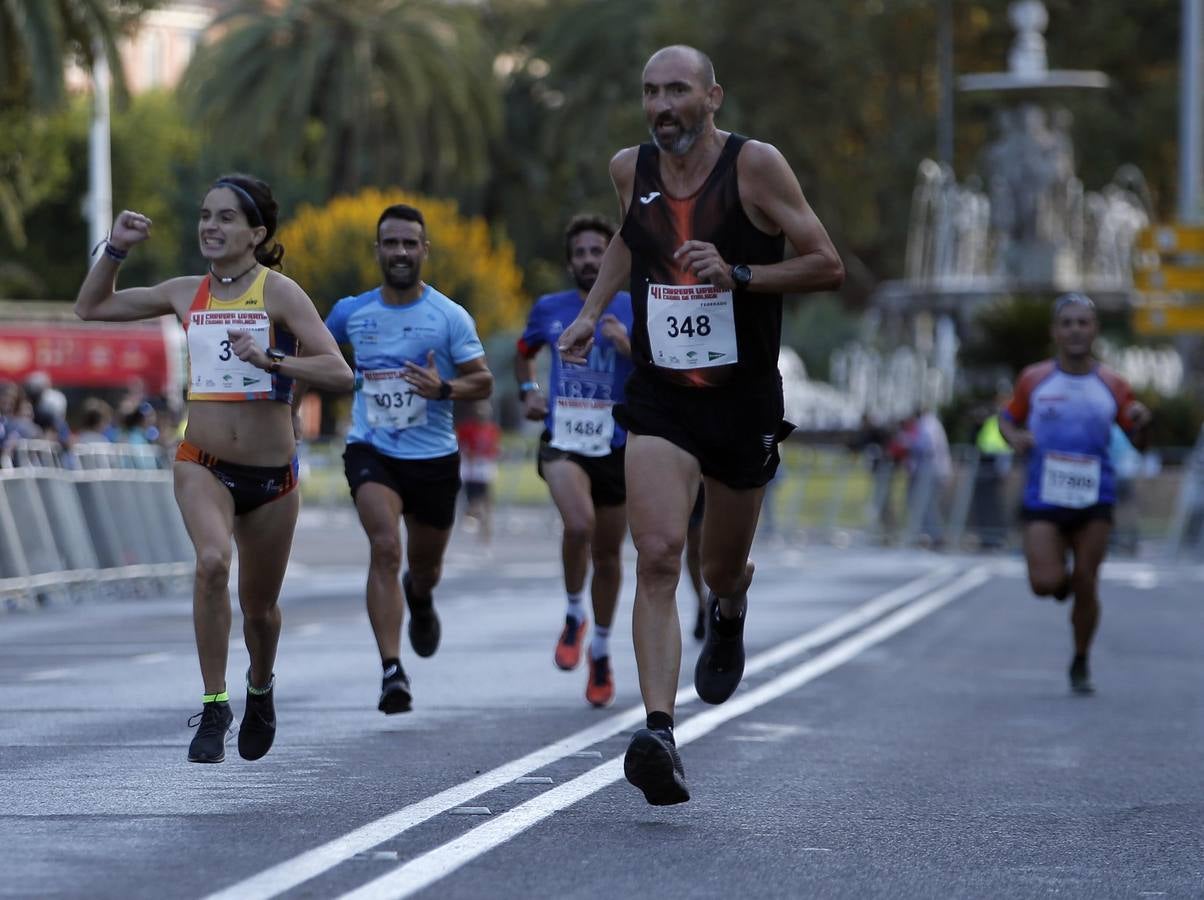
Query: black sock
{"x":1080,"y":658}
{"x":392,"y":661}
{"x":660,"y":721}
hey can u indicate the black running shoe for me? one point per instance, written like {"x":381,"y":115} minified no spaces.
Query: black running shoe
{"x":216,"y":726}
{"x":721,"y":662}
{"x":1080,"y":678}
{"x":395,"y":696}
{"x":424,"y":624}
{"x":653,"y":765}
{"x":700,"y":625}
{"x":258,"y":728}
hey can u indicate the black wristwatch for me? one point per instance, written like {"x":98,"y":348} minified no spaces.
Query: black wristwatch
{"x":277,"y":357}
{"x":741,"y":275}
{"x":444,"y":390}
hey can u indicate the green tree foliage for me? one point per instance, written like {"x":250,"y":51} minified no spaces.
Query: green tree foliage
{"x":37,"y":40}
{"x":154,"y":171}
{"x":329,"y":251}
{"x":375,"y":92}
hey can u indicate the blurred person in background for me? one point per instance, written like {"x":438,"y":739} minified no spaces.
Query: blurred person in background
{"x":480,"y":439}
{"x":95,"y":420}
{"x":140,"y":425}
{"x":987,"y":516}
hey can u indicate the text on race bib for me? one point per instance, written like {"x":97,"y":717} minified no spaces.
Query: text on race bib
{"x":1070,"y":480}
{"x":583,"y":426}
{"x":213,"y":366}
{"x":390,"y":401}
{"x":691,"y":326}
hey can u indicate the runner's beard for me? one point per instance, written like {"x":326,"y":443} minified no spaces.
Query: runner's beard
{"x":401,"y":283}
{"x":682,"y":143}
{"x":585,"y":280}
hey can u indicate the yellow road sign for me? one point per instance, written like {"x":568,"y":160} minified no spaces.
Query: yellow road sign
{"x":1168,"y":320}
{"x":1169,"y":278}
{"x":1172,"y":239}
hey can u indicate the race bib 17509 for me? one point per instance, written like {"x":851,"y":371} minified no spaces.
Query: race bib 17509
{"x":1070,"y":480}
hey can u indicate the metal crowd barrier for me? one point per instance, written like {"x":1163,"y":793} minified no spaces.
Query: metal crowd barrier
{"x":829,"y":494}
{"x":101,"y":518}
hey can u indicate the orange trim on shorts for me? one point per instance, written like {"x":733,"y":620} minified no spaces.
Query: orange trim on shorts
{"x":187,"y":452}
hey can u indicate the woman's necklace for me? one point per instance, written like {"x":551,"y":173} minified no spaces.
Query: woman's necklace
{"x":230,"y":279}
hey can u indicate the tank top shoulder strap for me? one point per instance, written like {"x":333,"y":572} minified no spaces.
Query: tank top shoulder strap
{"x":200,"y":300}
{"x":727,"y":157}
{"x":647,"y":168}
{"x":256,"y":288}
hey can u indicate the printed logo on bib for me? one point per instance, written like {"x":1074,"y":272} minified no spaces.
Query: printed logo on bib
{"x":691,"y":326}
{"x":390,"y":401}
{"x":214,"y":367}
{"x":1070,"y":480}
{"x":583,"y":426}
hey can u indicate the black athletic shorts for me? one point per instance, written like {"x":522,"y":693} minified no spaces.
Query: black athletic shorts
{"x":1069,"y":520}
{"x":607,"y":485}
{"x":732,"y":430}
{"x":427,"y":487}
{"x":699,"y":509}
{"x":250,"y":486}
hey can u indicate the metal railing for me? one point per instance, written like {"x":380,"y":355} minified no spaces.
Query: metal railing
{"x":98,"y":519}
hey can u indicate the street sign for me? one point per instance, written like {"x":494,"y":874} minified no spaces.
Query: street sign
{"x":1162,"y":321}
{"x":1188,"y":279}
{"x":1172,"y":239}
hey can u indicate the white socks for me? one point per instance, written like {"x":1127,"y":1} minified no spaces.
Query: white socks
{"x":599,"y":645}
{"x":576,"y":608}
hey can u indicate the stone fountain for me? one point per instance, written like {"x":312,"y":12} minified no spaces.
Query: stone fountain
{"x":1023,"y":223}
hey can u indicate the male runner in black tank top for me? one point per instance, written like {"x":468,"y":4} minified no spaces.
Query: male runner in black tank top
{"x":705,"y":216}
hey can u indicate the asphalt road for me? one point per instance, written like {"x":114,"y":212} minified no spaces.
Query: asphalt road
{"x":904,"y":730}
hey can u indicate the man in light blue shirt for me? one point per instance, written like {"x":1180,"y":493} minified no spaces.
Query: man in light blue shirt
{"x":415,"y":352}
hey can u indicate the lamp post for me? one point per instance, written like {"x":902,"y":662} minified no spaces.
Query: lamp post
{"x":100,"y":172}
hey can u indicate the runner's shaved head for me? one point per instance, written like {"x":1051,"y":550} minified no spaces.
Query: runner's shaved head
{"x":699,"y":60}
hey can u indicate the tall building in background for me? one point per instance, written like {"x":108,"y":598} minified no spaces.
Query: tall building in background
{"x":157,"y":54}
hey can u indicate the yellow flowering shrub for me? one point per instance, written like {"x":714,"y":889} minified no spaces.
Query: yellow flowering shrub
{"x":329,"y":251}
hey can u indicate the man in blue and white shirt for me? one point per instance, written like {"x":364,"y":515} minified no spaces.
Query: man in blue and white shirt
{"x":415,"y":352}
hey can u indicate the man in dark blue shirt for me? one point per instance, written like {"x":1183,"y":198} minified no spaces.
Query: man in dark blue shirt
{"x":581,"y":450}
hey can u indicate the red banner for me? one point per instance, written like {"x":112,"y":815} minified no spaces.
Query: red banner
{"x":81,"y":355}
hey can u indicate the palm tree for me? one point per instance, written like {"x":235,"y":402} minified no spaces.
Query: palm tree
{"x":37,"y":39}
{"x":374,"y":92}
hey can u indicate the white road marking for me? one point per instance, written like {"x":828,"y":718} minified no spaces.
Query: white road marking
{"x":312,"y":863}
{"x":764,"y":733}
{"x":471,"y":811}
{"x":149,"y":658}
{"x":423,"y":871}
{"x":47,"y":675}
